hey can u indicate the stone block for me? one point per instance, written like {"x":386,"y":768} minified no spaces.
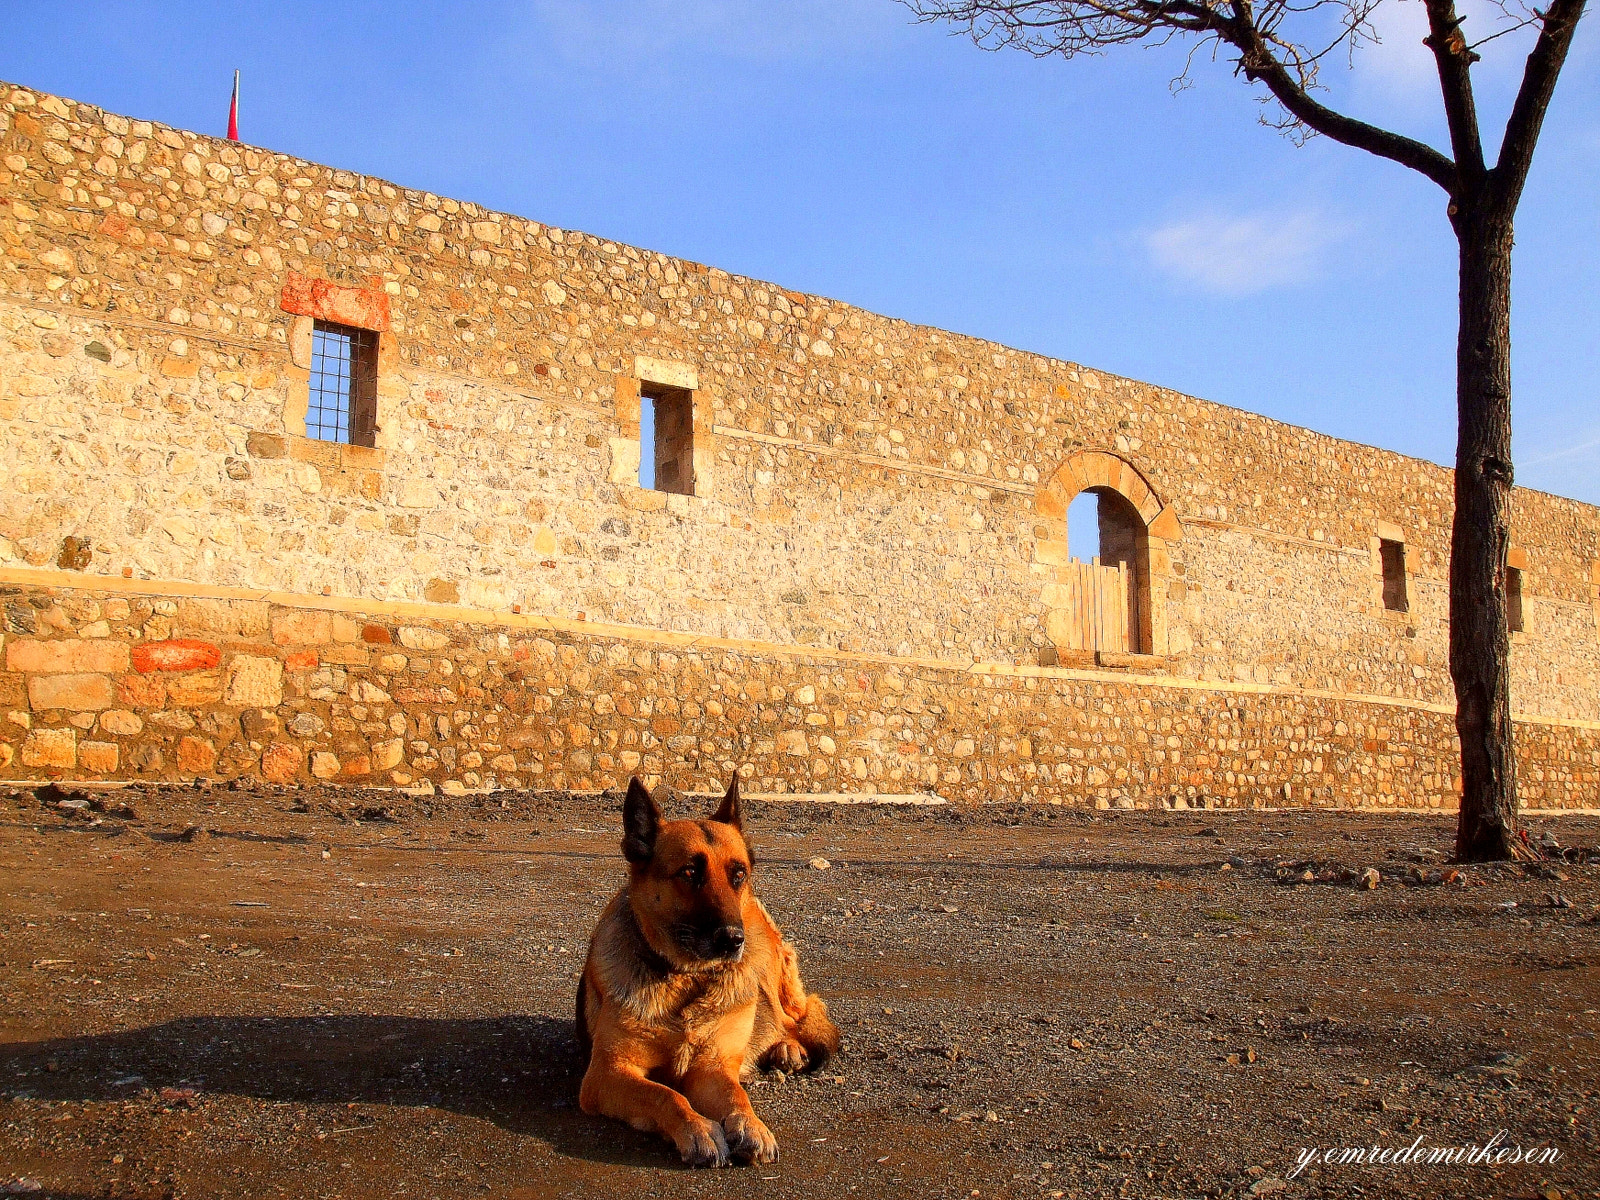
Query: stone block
{"x":364,"y":691}
{"x":324,"y":765}
{"x":119,"y":722}
{"x":75,"y":693}
{"x":302,"y":627}
{"x":316,"y":452}
{"x":196,"y":755}
{"x":57,"y":748}
{"x":324,"y":300}
{"x":176,"y":654}
{"x":1051,"y":553}
{"x":254,"y":682}
{"x":420,"y":637}
{"x":266,"y":445}
{"x":281,"y":762}
{"x":231,"y":618}
{"x":640,"y":499}
{"x":663,"y":371}
{"x":194,"y":690}
{"x":259,"y":725}
{"x":624,"y":467}
{"x":376,"y":635}
{"x":67,"y":656}
{"x":388,"y":755}
{"x":1166,"y":525}
{"x":442,"y":591}
{"x":301,"y":660}
{"x":98,"y":758}
{"x":141,"y":691}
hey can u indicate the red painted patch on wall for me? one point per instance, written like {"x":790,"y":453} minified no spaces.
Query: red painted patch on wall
{"x":301,"y":660}
{"x":365,"y":308}
{"x":175,"y":654}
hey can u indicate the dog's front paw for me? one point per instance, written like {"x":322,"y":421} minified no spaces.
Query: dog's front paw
{"x":703,"y":1144}
{"x":749,"y":1140}
{"x":786,"y":1056}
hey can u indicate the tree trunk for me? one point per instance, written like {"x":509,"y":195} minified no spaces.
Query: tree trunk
{"x":1479,"y":539}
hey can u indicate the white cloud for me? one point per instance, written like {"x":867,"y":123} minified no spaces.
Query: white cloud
{"x":1398,"y":64}
{"x":1569,"y":471}
{"x":1242,"y":255}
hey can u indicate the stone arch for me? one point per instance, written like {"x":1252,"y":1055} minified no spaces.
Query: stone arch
{"x":1145,"y":532}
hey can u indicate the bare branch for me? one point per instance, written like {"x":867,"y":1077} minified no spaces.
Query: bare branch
{"x":1257,"y":62}
{"x":1265,"y":50}
{"x":1533,"y":99}
{"x":1454,"y":59}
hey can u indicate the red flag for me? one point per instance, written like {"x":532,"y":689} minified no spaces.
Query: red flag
{"x":233,"y":111}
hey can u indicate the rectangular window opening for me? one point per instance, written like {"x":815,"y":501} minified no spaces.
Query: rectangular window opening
{"x":344,"y":385}
{"x":1393,"y":555}
{"x":670,"y":420}
{"x":1514,"y":599}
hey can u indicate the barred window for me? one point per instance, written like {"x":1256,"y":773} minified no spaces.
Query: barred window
{"x":344,"y":384}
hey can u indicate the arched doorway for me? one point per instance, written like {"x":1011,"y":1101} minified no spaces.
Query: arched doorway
{"x":1110,"y":550}
{"x":1108,"y":554}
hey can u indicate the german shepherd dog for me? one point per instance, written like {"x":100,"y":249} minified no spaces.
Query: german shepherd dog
{"x":689,"y":986}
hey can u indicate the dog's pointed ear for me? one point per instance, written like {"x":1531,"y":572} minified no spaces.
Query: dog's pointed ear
{"x":640,"y":820}
{"x":729,"y":812}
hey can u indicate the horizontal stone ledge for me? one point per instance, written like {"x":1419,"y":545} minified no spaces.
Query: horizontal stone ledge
{"x":531,"y":623}
{"x":1134,"y":662}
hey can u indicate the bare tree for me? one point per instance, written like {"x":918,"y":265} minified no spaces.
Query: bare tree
{"x":1281,"y":43}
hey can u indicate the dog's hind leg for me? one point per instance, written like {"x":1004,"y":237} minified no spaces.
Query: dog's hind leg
{"x":805,"y":1020}
{"x":582,"y":1017}
{"x":817,"y":1034}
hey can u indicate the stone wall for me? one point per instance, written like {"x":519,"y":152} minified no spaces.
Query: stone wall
{"x":863,"y":486}
{"x":115,"y":683}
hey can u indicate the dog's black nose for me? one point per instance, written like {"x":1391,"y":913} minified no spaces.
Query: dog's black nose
{"x":728,"y":940}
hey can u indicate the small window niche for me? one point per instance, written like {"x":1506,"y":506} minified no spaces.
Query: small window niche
{"x":667,"y":430}
{"x":344,"y":385}
{"x":1514,"y":611}
{"x":1393,"y":557}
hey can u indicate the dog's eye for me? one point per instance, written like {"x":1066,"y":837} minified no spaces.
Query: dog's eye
{"x":690,"y":875}
{"x":737,"y":876}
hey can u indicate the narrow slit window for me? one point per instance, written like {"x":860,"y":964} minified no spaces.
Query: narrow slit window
{"x":670,"y":421}
{"x":1393,"y":555}
{"x":344,"y":385}
{"x":1514,"y":599}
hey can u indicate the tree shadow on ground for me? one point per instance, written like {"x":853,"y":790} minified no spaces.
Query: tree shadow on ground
{"x":521,"y":1073}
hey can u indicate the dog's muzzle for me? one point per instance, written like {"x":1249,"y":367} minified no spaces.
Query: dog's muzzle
{"x":728,"y":942}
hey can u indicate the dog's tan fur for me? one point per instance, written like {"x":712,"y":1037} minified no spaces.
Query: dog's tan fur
{"x":671,"y":1017}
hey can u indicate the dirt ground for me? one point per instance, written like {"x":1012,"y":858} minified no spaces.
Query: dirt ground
{"x":228,"y":993}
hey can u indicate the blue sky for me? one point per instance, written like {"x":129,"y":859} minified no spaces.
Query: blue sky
{"x":1081,"y":209}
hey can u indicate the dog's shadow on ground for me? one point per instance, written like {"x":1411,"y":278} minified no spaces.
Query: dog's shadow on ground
{"x":521,"y":1073}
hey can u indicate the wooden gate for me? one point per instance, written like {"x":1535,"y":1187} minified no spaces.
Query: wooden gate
{"x":1095,"y":606}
